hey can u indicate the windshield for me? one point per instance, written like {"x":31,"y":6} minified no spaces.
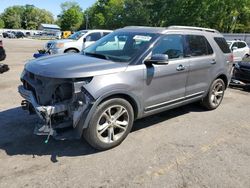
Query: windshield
{"x":77,"y":35}
{"x":120,"y":46}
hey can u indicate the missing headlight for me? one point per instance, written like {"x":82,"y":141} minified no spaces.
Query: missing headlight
{"x":62,"y":92}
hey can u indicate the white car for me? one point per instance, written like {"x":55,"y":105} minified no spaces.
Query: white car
{"x":76,"y":42}
{"x":240,"y":49}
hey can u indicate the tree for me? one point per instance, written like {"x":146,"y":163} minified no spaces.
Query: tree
{"x":71,"y":17}
{"x":1,"y":23}
{"x":26,"y":17}
{"x":12,"y":17}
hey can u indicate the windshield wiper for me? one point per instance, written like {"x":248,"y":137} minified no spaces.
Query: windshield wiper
{"x":97,"y":55}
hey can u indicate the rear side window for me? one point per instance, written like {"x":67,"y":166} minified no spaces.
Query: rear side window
{"x":241,"y":45}
{"x":198,"y":45}
{"x":222,"y":44}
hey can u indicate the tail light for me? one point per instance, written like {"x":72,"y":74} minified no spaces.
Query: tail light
{"x":231,"y":57}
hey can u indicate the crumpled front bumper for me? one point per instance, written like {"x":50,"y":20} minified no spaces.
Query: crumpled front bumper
{"x":44,"y":112}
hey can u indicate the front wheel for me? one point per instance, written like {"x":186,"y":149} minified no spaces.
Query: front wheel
{"x":110,"y":124}
{"x":215,"y":95}
{"x":71,"y":51}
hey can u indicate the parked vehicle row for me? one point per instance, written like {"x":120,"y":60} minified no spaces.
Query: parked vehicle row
{"x":76,"y":42}
{"x":13,"y":34}
{"x":129,"y":74}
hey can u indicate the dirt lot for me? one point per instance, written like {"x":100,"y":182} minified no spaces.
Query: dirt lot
{"x":185,"y":147}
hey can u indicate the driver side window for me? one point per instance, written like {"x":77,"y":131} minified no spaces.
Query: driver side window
{"x":93,"y":37}
{"x":170,"y":45}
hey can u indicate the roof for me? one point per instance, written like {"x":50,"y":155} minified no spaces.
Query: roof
{"x":143,"y":29}
{"x":163,"y":29}
{"x":50,"y":26}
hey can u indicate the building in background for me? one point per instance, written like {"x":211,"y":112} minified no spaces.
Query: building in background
{"x":50,"y":29}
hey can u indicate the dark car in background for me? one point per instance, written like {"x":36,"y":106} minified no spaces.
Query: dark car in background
{"x":241,"y":74}
{"x":20,"y":34}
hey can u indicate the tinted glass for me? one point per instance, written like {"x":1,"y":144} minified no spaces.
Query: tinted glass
{"x":93,"y":37}
{"x":241,"y":45}
{"x":77,"y":35}
{"x":222,"y":44}
{"x":198,"y":45}
{"x":170,"y":45}
{"x":105,"y":33}
{"x":235,"y":44}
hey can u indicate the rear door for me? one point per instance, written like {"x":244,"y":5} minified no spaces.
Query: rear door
{"x":201,"y":62}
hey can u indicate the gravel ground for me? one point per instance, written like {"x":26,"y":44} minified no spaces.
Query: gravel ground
{"x":185,"y":147}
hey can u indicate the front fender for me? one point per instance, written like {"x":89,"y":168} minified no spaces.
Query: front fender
{"x":86,"y":117}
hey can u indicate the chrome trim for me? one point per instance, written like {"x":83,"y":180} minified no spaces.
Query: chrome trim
{"x":167,"y":103}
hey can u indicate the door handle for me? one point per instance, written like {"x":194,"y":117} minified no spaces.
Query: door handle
{"x":180,"y":68}
{"x":213,"y":62}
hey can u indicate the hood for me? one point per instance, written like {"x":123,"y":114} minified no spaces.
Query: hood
{"x":72,"y":66}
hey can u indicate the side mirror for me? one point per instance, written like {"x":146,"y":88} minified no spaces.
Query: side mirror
{"x":234,"y":48}
{"x":158,"y":59}
{"x":84,"y":40}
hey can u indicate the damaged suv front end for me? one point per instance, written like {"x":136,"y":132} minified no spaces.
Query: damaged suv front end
{"x":60,"y":103}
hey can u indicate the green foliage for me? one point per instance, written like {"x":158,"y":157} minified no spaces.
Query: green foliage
{"x":224,"y":15}
{"x":71,"y":17}
{"x":1,"y":23}
{"x":26,"y":17}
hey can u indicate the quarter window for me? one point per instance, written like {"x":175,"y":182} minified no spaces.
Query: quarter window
{"x":241,"y":45}
{"x":170,"y":45}
{"x":198,"y":46}
{"x":224,"y":46}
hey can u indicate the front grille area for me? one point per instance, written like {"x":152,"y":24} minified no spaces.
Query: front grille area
{"x":29,"y":87}
{"x":47,"y":91}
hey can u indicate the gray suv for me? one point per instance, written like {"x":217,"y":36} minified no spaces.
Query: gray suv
{"x":129,"y":74}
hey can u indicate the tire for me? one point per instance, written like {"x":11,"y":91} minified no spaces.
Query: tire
{"x":71,"y":51}
{"x":104,"y":132}
{"x":215,"y":95}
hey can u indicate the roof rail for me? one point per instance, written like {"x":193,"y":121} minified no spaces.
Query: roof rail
{"x":193,"y":28}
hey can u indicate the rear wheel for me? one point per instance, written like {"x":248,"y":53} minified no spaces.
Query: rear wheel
{"x":215,"y":95}
{"x":110,"y":124}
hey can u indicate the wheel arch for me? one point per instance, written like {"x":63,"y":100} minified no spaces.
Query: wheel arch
{"x":127,"y":97}
{"x":72,"y":48}
{"x":224,"y":78}
{"x":115,"y":94}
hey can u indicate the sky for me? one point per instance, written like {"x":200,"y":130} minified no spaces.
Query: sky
{"x":51,"y":5}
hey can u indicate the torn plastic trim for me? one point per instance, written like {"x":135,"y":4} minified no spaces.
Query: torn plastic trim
{"x":44,"y":112}
{"x":83,"y":100}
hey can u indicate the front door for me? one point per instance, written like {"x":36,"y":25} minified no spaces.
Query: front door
{"x":165,"y":84}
